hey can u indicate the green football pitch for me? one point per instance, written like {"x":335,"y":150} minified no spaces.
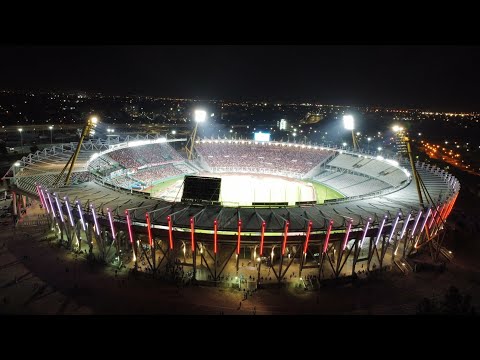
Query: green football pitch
{"x":228,"y":192}
{"x":324,"y":192}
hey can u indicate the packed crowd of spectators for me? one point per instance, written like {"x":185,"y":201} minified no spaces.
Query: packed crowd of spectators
{"x":148,"y":176}
{"x":135,"y":157}
{"x":263,"y":155}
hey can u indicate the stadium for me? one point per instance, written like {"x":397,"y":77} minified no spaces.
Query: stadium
{"x":256,"y":212}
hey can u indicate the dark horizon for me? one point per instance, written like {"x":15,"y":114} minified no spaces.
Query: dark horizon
{"x":442,"y":78}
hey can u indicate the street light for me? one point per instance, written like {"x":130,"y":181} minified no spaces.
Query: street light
{"x":51,"y":134}
{"x":21,"y":136}
{"x":17,"y":164}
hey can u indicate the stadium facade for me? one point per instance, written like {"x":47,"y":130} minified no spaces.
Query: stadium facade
{"x":379,"y":222}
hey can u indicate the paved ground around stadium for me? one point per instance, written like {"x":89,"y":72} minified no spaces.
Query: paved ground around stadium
{"x":37,"y":277}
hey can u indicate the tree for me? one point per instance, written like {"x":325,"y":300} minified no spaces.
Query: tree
{"x":454,"y":303}
{"x":427,"y":307}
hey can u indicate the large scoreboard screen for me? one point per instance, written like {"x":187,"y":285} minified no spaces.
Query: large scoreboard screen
{"x":259,"y":136}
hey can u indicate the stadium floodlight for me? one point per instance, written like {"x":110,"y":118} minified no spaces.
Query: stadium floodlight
{"x":200,"y":116}
{"x":397,"y":128}
{"x":348,"y":122}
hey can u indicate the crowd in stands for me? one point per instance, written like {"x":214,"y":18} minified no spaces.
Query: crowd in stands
{"x":135,"y":157}
{"x":261,"y":156}
{"x":149,"y":175}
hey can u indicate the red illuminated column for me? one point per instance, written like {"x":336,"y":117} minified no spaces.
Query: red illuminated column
{"x":192,"y":233}
{"x":285,"y":236}
{"x":149,"y":228}
{"x":307,"y":238}
{"x":170,"y":236}
{"x":327,"y":237}
{"x":262,"y":237}
{"x":215,"y":236}
{"x":239,"y":236}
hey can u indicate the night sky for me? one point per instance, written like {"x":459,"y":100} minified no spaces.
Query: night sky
{"x":430,"y":77}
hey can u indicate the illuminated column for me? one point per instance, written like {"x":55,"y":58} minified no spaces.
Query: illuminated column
{"x":51,"y":205}
{"x":170,"y":235}
{"x":69,"y":211}
{"x":262,"y":238}
{"x":365,"y":232}
{"x":343,"y":247}
{"x":284,"y":245}
{"x":423,"y":226}
{"x":347,"y":233}
{"x":307,"y":237}
{"x":325,"y":248}
{"x":380,"y":230}
{"x":305,"y":247}
{"x":42,"y":199}
{"x":215,"y":228}
{"x":194,"y":253}
{"x":327,"y":237}
{"x":402,"y":233}
{"x":239,"y":237}
{"x":285,"y":237}
{"x":114,"y":235}
{"x":130,"y":233}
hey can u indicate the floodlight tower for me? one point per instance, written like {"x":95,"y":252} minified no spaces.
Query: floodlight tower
{"x":348,"y":124}
{"x":403,"y":137}
{"x":87,"y":129}
{"x":400,"y":139}
{"x":200,"y":116}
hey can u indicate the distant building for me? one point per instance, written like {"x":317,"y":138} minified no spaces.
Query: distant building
{"x":282,"y":124}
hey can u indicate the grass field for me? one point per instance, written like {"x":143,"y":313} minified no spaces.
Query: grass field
{"x":243,"y":190}
{"x":163,"y":185}
{"x":325,"y":193}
